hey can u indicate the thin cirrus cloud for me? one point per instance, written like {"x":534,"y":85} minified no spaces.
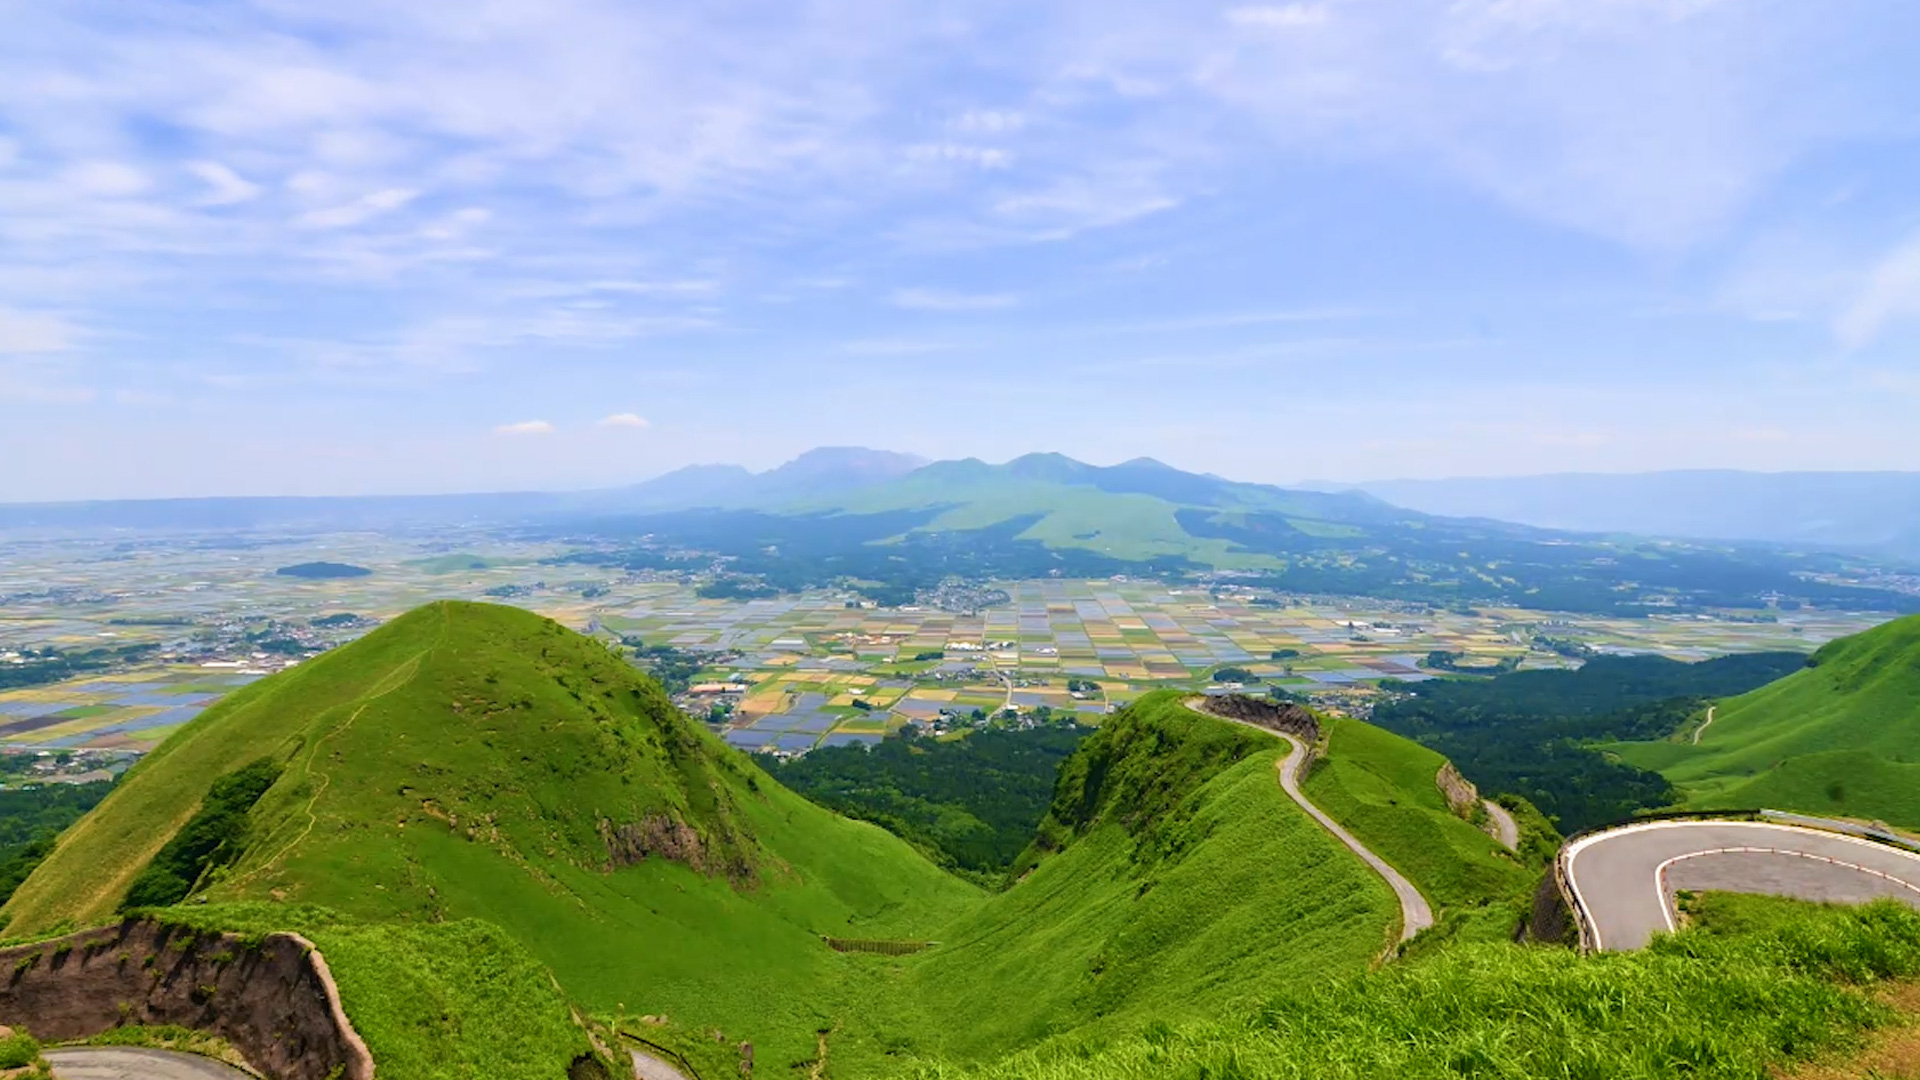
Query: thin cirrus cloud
{"x":464,"y":200}
{"x":225,"y":187}
{"x":1891,"y":291}
{"x":25,"y":332}
{"x":950,"y":300}
{"x":525,"y":427}
{"x":624,"y":420}
{"x":359,"y":211}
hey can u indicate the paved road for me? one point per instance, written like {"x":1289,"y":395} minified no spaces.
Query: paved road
{"x":137,"y":1063}
{"x":1415,"y":913}
{"x":1505,"y":829}
{"x":648,"y":1067}
{"x":1624,"y":879}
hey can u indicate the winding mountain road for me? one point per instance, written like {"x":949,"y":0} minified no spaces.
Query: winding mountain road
{"x":1415,"y":913}
{"x":137,"y":1063}
{"x":648,"y":1067}
{"x":1505,"y":829}
{"x":1623,"y":881}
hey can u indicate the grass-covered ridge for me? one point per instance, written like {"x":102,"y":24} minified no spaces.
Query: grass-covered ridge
{"x":1697,"y":1005}
{"x":1173,"y":879}
{"x":1841,"y":736}
{"x":1382,"y":788}
{"x":493,"y":827}
{"x":480,"y":763}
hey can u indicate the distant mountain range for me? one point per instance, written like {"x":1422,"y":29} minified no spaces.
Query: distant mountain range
{"x":818,"y":473}
{"x":815,"y":474}
{"x":901,"y":525}
{"x":1864,"y":511}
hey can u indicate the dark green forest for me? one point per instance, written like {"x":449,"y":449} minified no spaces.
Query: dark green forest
{"x":213,"y":836}
{"x":30,"y":819}
{"x":1431,"y":560}
{"x":972,"y":803}
{"x":1531,"y":732}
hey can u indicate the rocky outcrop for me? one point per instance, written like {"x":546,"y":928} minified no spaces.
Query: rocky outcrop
{"x":1281,"y":716}
{"x":1462,"y":797}
{"x":1551,"y":920}
{"x":661,"y":836}
{"x":273,"y":998}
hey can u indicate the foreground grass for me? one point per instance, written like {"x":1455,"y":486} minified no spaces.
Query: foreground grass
{"x":1697,"y":1005}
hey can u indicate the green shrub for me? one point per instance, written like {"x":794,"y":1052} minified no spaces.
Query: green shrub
{"x":214,"y":836}
{"x":19,"y":1050}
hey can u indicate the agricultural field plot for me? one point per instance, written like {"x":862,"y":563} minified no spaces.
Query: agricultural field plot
{"x":126,"y":710}
{"x":817,"y":667}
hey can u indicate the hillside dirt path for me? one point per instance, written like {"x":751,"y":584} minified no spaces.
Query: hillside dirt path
{"x":401,"y":675}
{"x":1702,"y":729}
{"x":1415,"y":913}
{"x":1505,"y":829}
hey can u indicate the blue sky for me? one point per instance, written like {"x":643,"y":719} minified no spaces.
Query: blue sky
{"x":281,"y":247}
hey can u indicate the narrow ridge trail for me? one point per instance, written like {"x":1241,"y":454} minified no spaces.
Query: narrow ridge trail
{"x":1505,"y":829}
{"x":1415,"y":913}
{"x":1702,"y":729}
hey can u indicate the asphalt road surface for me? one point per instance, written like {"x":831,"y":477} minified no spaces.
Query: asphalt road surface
{"x":137,"y":1063}
{"x":648,"y":1067}
{"x":1505,"y":829}
{"x":1415,"y":913}
{"x":1625,"y":879}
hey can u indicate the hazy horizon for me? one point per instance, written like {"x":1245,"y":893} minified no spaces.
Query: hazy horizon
{"x":267,"y":249}
{"x":1300,"y":483}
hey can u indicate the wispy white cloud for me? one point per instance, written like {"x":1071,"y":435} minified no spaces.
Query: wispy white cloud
{"x":359,"y":211}
{"x":525,"y":427}
{"x":32,"y":332}
{"x":111,"y":179}
{"x":1891,"y":291}
{"x":990,"y":121}
{"x":228,"y":187}
{"x":983,"y":157}
{"x":683,"y":287}
{"x":1283,"y":16}
{"x":624,"y":420}
{"x":383,"y":195}
{"x":949,"y":300}
{"x":894,"y":347}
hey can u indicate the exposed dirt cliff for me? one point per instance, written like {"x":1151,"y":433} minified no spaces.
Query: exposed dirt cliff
{"x":273,"y":999}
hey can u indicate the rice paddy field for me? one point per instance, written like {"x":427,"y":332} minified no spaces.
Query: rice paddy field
{"x":800,"y":670}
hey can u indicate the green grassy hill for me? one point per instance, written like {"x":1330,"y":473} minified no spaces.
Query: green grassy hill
{"x":480,"y":762}
{"x":1839,"y":737}
{"x":1172,"y":879}
{"x":1381,"y":787}
{"x":491,"y":825}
